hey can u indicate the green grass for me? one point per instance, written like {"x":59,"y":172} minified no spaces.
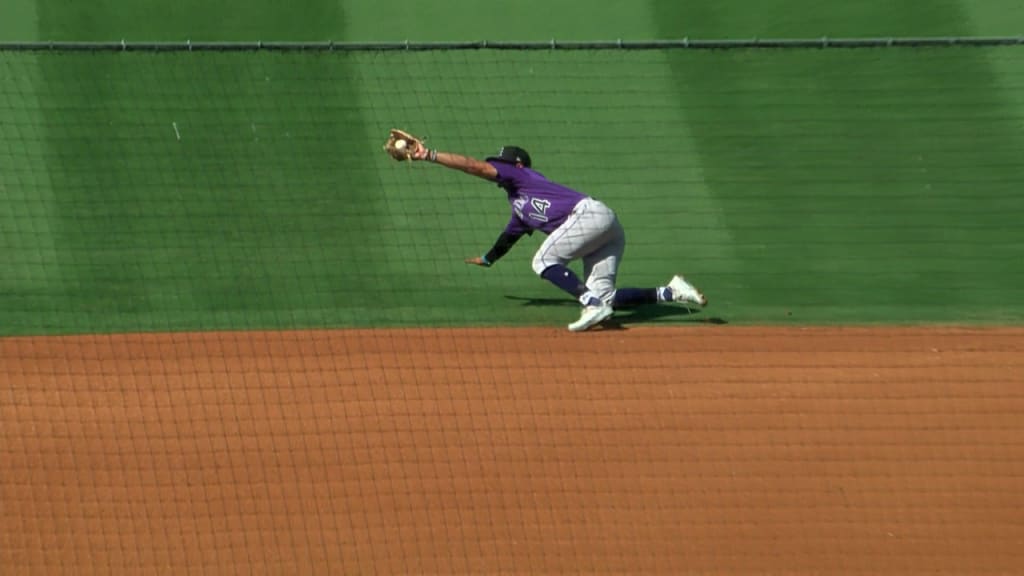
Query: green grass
{"x":878,"y":181}
{"x":175,"y":201}
{"x":154,"y":192}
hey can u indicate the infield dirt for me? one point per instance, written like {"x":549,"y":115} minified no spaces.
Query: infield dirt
{"x":698,"y":450}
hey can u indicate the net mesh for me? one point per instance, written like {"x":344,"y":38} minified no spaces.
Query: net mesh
{"x":236,"y":337}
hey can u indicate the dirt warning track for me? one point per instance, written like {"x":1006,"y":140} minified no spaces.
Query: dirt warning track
{"x":708,"y":450}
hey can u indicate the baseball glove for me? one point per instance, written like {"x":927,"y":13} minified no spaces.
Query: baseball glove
{"x":404,"y":146}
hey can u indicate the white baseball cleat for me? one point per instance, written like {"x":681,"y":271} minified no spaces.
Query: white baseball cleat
{"x":591,"y":316}
{"x":685,"y":293}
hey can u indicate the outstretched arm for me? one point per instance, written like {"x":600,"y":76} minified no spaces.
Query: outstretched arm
{"x":467,"y":164}
{"x":402,"y":145}
{"x":501,"y":247}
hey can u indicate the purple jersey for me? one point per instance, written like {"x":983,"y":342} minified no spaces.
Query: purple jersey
{"x":537,"y":203}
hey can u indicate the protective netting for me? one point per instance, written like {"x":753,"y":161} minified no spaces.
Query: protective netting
{"x":236,"y":337}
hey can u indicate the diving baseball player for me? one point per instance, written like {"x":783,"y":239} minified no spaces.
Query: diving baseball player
{"x":577,"y":226}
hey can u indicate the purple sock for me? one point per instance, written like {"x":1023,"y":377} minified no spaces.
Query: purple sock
{"x":565,"y":279}
{"x":626,"y":297}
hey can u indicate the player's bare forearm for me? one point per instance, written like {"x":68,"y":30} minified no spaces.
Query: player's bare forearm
{"x":466,"y":164}
{"x":501,"y":247}
{"x":402,"y":145}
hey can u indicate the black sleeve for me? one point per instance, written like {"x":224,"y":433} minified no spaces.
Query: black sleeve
{"x":501,"y":247}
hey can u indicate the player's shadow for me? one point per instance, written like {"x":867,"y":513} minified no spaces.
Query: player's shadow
{"x":650,"y":313}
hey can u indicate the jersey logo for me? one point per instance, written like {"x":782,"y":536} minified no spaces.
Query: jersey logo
{"x":541,"y":206}
{"x":517,"y":206}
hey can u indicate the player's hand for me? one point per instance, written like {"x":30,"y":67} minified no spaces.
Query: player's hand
{"x":402,"y":145}
{"x":419,"y":152}
{"x":478,"y":261}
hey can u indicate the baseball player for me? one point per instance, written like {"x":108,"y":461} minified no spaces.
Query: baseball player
{"x":577,"y":226}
